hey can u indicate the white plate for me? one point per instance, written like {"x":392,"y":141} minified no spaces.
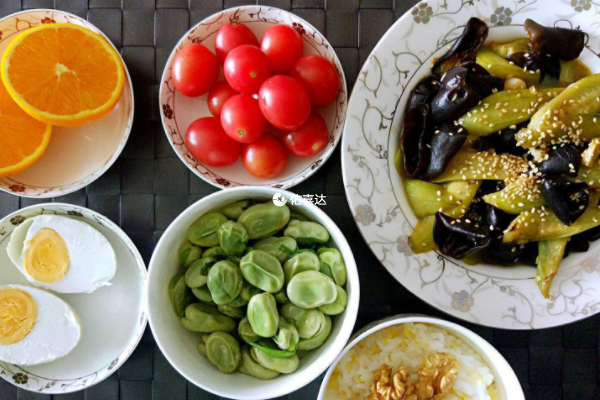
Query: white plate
{"x":77,"y":156}
{"x":113,"y":317}
{"x":497,"y":297}
{"x":178,"y":111}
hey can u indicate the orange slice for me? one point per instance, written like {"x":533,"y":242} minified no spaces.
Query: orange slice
{"x":23,"y":139}
{"x":63,"y":74}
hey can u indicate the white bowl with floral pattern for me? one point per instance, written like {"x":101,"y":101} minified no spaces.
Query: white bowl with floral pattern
{"x":178,"y":111}
{"x":497,"y":297}
{"x":75,"y":157}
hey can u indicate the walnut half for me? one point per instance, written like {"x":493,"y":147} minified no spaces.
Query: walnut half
{"x":436,"y":376}
{"x":386,"y":386}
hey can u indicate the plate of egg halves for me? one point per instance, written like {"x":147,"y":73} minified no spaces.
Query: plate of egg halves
{"x":72,"y":306}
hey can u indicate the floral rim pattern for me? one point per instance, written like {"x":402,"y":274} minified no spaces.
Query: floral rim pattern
{"x":375,"y":193}
{"x":205,"y":31}
{"x":20,"y":376}
{"x":27,"y":19}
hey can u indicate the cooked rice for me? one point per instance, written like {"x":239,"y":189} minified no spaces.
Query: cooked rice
{"x":409,"y":345}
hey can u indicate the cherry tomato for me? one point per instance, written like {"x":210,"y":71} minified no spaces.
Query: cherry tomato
{"x":217,"y":96}
{"x":284,"y":102}
{"x":309,"y":139}
{"x":283,"y":46}
{"x":242,"y":120}
{"x":208,"y":142}
{"x":195,"y":70}
{"x":231,"y":36}
{"x":319,"y":77}
{"x":246,"y":68}
{"x":265,"y":158}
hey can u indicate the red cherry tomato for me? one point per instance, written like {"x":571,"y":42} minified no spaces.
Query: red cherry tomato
{"x":208,"y":142}
{"x":195,"y":70}
{"x":217,"y":96}
{"x":309,"y":139}
{"x":284,"y":102}
{"x":246,"y":68}
{"x":283,"y":46}
{"x":319,"y":77}
{"x":231,"y":36}
{"x":242,"y":120}
{"x":265,"y":158}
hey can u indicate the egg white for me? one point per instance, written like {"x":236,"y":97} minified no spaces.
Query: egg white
{"x":93,"y":262}
{"x":56,"y":332}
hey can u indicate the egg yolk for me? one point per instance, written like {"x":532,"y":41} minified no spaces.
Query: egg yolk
{"x":47,"y":258}
{"x":18,"y":313}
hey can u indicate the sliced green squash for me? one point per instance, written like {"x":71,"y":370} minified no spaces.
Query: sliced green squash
{"x":572,"y":71}
{"x":550,"y":255}
{"x":522,"y":194}
{"x":500,"y":67}
{"x":427,"y":198}
{"x":485,"y":165}
{"x":584,"y":127}
{"x":505,"y":49}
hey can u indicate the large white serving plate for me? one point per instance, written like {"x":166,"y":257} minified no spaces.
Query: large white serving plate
{"x":113,"y":317}
{"x":487,"y":295}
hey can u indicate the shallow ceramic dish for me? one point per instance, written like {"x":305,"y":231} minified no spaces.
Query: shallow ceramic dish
{"x":78,"y":156}
{"x":113,"y":318}
{"x":179,"y":345}
{"x":497,"y":297}
{"x":508,"y":384}
{"x":178,"y":111}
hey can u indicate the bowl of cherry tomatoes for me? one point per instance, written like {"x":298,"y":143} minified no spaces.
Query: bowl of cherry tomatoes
{"x":253,"y":96}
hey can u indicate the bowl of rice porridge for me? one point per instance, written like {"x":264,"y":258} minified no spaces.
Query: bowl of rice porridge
{"x":415,"y":357}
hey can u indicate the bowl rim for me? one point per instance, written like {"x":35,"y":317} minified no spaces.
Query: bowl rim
{"x":503,"y":372}
{"x":348,"y":323}
{"x":75,"y":186}
{"x":309,"y":170}
{"x":141,"y":324}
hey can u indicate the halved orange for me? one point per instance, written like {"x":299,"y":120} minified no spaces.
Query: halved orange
{"x":23,"y":139}
{"x":63,"y":74}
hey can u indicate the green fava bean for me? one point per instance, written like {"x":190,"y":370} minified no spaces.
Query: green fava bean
{"x":197,"y":273}
{"x":225,"y":282}
{"x":234,"y":210}
{"x":297,"y":215}
{"x":266,"y":219}
{"x":224,"y":351}
{"x":203,"y":232}
{"x":188,"y":253}
{"x":249,"y":291}
{"x":263,"y":315}
{"x":179,"y":294}
{"x":311,"y":289}
{"x":302,"y":261}
{"x":200,"y":317}
{"x":205,"y":337}
{"x":238,"y":301}
{"x":233,"y":238}
{"x":233,"y":312}
{"x":280,"y":247}
{"x":203,"y":294}
{"x":292,"y":313}
{"x":287,"y":336}
{"x":245,"y":331}
{"x":307,"y":233}
{"x":310,"y":323}
{"x":250,"y":367}
{"x":318,"y":339}
{"x":202,"y":348}
{"x":283,"y":365}
{"x":215,"y":252}
{"x":263,"y":270}
{"x":339,"y":305}
{"x":332,"y":265}
{"x":280,"y":297}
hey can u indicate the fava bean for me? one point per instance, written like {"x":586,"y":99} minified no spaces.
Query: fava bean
{"x":318,"y":339}
{"x":249,"y":291}
{"x":332,"y":264}
{"x":250,"y":367}
{"x":215,"y":252}
{"x":202,"y":348}
{"x":225,"y":282}
{"x":197,"y":273}
{"x":203,"y":294}
{"x":287,"y":335}
{"x":245,"y":331}
{"x":311,"y":289}
{"x":266,"y":219}
{"x":234,"y":210}
{"x":188,"y":253}
{"x":239,"y":301}
{"x":200,"y":317}
{"x":224,"y":351}
{"x":280,"y":247}
{"x":233,"y":238}
{"x":310,"y":323}
{"x":283,"y":365}
{"x":297,"y":215}
{"x":292,"y":313}
{"x":307,"y":233}
{"x":304,"y":260}
{"x":338,"y":306}
{"x":179,"y":294}
{"x":262,"y":270}
{"x":203,"y":232}
{"x":280,"y":297}
{"x":230,"y":311}
{"x":263,"y":315}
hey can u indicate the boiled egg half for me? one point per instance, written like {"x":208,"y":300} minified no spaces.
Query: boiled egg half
{"x":62,"y":254}
{"x":36,"y":327}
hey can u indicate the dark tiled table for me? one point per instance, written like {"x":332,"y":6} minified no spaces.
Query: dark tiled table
{"x":148,"y":187}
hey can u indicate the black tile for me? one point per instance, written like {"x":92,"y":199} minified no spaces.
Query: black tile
{"x":144,"y":243}
{"x":518,"y":360}
{"x":547,"y":337}
{"x":373,"y":23}
{"x":137,"y":212}
{"x":70,"y":396}
{"x":163,"y":147}
{"x":157,"y":235}
{"x":163,"y":371}
{"x":545,"y":364}
{"x":171,"y":3}
{"x":334,"y":184}
{"x":171,"y":176}
{"x":105,"y":390}
{"x":77,"y":7}
{"x":342,"y":28}
{"x":141,"y":143}
{"x":109,"y":183}
{"x":7,"y":390}
{"x":401,"y":7}
{"x":346,"y":5}
{"x":146,"y":106}
{"x":175,"y":389}
{"x":313,"y":185}
{"x":580,"y":366}
{"x":137,"y":176}
{"x":109,"y":21}
{"x":147,"y":338}
{"x":582,"y":335}
{"x":140,"y":61}
{"x":170,"y":26}
{"x":37,"y":4}
{"x":546,"y":392}
{"x":135,"y":390}
{"x":9,"y":6}
{"x":139,"y":366}
{"x":283,"y":4}
{"x":162,"y":55}
{"x":200,"y":9}
{"x":8,"y":203}
{"x":105,"y":4}
{"x":511,"y":339}
{"x":25,"y":395}
{"x":138,"y":4}
{"x":138,"y":27}
{"x":168,"y":208}
{"x":314,"y":16}
{"x":106,"y":205}
{"x":237,"y":3}
{"x":26,"y":202}
{"x":377,"y":4}
{"x":349,"y":60}
{"x":77,"y":198}
{"x":195,"y":393}
{"x":308,"y":4}
{"x":310,"y":391}
{"x":578,"y":392}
